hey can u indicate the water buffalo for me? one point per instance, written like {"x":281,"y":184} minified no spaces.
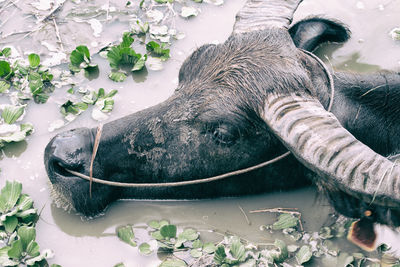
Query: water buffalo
{"x":242,"y":102}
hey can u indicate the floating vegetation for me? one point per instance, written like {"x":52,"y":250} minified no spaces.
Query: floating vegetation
{"x":80,"y":59}
{"x":294,"y":247}
{"x":395,"y":34}
{"x":151,"y":30}
{"x":18,"y":219}
{"x":102,"y":103}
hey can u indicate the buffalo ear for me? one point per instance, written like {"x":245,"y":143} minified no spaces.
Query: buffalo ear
{"x":264,"y":14}
{"x":309,"y":33}
{"x":362,"y":234}
{"x":318,"y":140}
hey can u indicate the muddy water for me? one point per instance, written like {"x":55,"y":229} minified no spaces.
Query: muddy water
{"x":77,"y":242}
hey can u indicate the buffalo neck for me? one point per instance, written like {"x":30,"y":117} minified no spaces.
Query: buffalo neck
{"x":368,"y":106}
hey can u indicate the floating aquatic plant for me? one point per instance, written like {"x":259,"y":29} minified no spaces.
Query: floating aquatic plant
{"x":18,"y":219}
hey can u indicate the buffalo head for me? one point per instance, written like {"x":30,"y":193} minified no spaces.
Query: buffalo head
{"x":238,"y":104}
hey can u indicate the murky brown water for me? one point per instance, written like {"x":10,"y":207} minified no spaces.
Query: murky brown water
{"x":92,"y":243}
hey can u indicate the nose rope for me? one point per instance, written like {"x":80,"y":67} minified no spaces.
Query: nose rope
{"x":173,"y":184}
{"x":92,"y":179}
{"x":94,"y":153}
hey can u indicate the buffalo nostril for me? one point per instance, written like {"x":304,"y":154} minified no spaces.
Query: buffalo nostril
{"x":62,"y":169}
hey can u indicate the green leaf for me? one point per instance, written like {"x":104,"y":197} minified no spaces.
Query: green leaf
{"x":40,"y":98}
{"x":125,"y":233}
{"x":5,"y":68}
{"x":83,"y":50}
{"x":24,"y":202}
{"x":35,"y":82}
{"x":34,"y":60}
{"x":25,"y":130}
{"x":10,"y":195}
{"x":220,"y":255}
{"x":108,"y":105}
{"x":119,"y":265}
{"x":76,"y":58}
{"x":157,"y":50}
{"x":42,"y":256}
{"x":4,"y":86}
{"x":127,"y":40}
{"x":145,"y":249}
{"x":11,"y":114}
{"x":209,"y":248}
{"x":6,"y":52}
{"x":189,"y":11}
{"x":4,"y":259}
{"x":25,"y":214}
{"x":285,"y":221}
{"x":114,"y":57}
{"x":154,"y":224}
{"x":22,"y":70}
{"x":128,"y":57}
{"x":196,"y":253}
{"x":395,"y":34}
{"x":111,"y":93}
{"x":117,"y":76}
{"x":140,"y":63}
{"x":157,"y":235}
{"x":33,"y":249}
{"x":92,"y":71}
{"x":325,"y":233}
{"x":47,"y":76}
{"x":10,"y":224}
{"x":74,"y":69}
{"x":179,"y":242}
{"x":168,"y":231}
{"x":163,"y":222}
{"x":26,"y":235}
{"x":101,"y":93}
{"x":173,"y":263}
{"x":197,"y":244}
{"x":237,"y":250}
{"x":282,"y":253}
{"x":73,"y":108}
{"x":303,"y":255}
{"x":16,"y":250}
{"x":189,"y":234}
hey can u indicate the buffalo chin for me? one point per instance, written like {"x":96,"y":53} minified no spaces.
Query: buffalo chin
{"x":60,"y":199}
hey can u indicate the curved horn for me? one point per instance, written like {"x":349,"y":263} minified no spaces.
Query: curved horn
{"x":262,"y":14}
{"x":317,"y":139}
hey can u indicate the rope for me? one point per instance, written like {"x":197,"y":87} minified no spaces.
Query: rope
{"x":95,"y":147}
{"x":330,"y":77}
{"x":92,"y":179}
{"x":173,"y":184}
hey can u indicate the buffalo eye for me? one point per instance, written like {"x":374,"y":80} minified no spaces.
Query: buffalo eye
{"x":224,"y":135}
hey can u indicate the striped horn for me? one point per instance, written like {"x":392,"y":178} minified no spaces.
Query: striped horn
{"x":317,"y":139}
{"x":262,"y":14}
